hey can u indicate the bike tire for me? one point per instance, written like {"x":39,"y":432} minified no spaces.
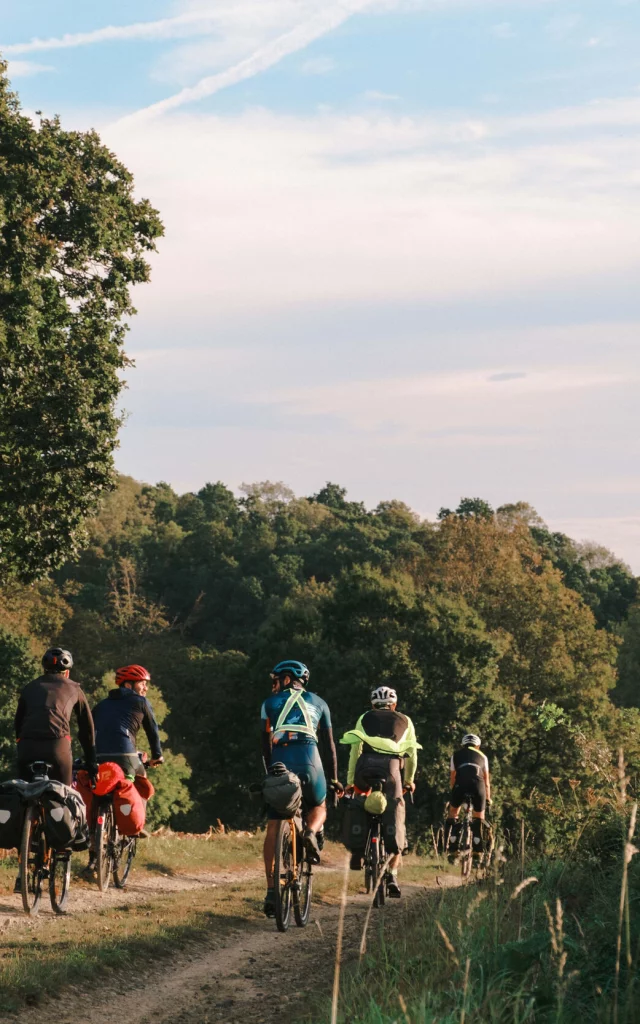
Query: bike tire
{"x":60,"y":881}
{"x":31,"y":861}
{"x":302,"y":894}
{"x":377,"y":877}
{"x":465,"y":850}
{"x":282,"y":876}
{"x":105,"y":843}
{"x":126,"y":851}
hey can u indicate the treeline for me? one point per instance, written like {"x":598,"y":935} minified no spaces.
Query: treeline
{"x":484,"y":619}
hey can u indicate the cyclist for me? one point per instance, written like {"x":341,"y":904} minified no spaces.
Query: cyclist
{"x":384,"y":745}
{"x":118,"y":719}
{"x":469,"y":779}
{"x":42,"y":721}
{"x":292,"y":721}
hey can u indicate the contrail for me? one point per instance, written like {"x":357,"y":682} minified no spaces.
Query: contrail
{"x":166,"y":28}
{"x":265,"y":57}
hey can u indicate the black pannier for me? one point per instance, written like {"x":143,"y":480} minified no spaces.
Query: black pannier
{"x":282,"y":791}
{"x":65,"y":817}
{"x":356,"y":825}
{"x":11,"y":816}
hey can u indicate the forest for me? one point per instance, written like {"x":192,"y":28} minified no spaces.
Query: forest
{"x":483,"y":619}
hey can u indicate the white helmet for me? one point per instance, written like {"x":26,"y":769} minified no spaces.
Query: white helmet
{"x":471,"y":740}
{"x":383,"y":697}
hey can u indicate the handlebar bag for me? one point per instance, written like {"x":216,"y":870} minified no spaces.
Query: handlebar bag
{"x":65,"y":817}
{"x":283,"y":793}
{"x":11,"y":815}
{"x":130,"y":809}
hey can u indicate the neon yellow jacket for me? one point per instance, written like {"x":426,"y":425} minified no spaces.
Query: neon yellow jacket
{"x":406,"y":747}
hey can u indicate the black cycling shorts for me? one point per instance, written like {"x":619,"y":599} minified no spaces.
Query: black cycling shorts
{"x":469,"y":791}
{"x":56,"y":752}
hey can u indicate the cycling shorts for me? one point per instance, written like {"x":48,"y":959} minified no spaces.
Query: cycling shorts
{"x":470,"y":790}
{"x":304,"y":760}
{"x":55,"y":751}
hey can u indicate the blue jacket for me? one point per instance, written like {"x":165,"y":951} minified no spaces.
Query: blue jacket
{"x":118,"y":719}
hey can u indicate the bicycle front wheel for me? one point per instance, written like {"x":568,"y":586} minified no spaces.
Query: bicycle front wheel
{"x":303,"y":890}
{"x":32,"y":861}
{"x":59,"y":881}
{"x":283,"y":875}
{"x":125,"y":852}
{"x":105,"y":845}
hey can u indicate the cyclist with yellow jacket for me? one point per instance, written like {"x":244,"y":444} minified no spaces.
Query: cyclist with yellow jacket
{"x":384,"y":746}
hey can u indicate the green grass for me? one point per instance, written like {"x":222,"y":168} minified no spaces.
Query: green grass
{"x":495,"y":960}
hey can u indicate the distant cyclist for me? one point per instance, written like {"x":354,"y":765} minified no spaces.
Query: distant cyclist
{"x":384,"y":745}
{"x":119,"y":717}
{"x":469,"y":780}
{"x":292,"y":722}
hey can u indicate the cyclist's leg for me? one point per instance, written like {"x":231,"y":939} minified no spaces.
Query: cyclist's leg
{"x":395,"y":835}
{"x":269,"y":854}
{"x":452,"y":826}
{"x":479,"y":804}
{"x":305,"y":761}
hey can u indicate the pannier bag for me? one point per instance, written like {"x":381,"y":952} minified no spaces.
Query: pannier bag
{"x":83,"y":785}
{"x":130,"y":809}
{"x":356,"y":824}
{"x":11,"y":815}
{"x":282,"y":792}
{"x":65,"y":817}
{"x":144,"y":787}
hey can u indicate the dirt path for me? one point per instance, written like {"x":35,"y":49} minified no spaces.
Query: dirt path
{"x":234,"y":978}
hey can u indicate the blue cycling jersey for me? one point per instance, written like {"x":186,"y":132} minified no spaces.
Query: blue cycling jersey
{"x":294,"y":716}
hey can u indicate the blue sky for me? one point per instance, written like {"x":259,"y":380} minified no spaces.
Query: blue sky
{"x":402,"y":241}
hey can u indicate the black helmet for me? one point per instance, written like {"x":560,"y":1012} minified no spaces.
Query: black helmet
{"x":57,"y":660}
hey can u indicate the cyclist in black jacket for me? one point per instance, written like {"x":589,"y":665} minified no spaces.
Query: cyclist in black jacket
{"x":470,"y":780}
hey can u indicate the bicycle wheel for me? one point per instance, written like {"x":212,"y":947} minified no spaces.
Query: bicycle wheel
{"x":377,"y":877}
{"x":283,"y":875}
{"x":302,"y":890}
{"x":105,"y":845}
{"x":125,"y":852}
{"x":60,"y":880}
{"x":32,"y":860}
{"x":465,"y":851}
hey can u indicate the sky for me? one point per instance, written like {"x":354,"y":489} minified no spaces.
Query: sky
{"x":401,"y":247}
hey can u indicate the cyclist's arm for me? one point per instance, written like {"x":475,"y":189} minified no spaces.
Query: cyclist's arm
{"x":86,"y":728}
{"x":150,"y":726}
{"x":20,"y":713}
{"x":487,"y":779}
{"x":265,"y":736}
{"x":354,"y":754}
{"x":328,"y":753}
{"x":411,"y":759}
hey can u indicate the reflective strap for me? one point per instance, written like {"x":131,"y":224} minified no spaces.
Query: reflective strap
{"x":281,"y":725}
{"x":470,"y":764}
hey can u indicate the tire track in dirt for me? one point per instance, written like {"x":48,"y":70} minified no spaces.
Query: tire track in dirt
{"x":232,"y":978}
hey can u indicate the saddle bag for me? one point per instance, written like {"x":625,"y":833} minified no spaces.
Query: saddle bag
{"x":11,"y":815}
{"x":283,"y":793}
{"x":130,"y":809}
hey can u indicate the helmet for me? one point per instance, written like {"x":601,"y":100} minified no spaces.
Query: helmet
{"x":297,"y":669}
{"x":383,"y":696}
{"x":57,"y":660}
{"x":471,"y":740}
{"x":132,"y":674}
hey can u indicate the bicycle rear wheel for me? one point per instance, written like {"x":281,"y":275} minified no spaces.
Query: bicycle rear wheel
{"x":283,"y":875}
{"x":377,"y":877}
{"x":465,"y":850}
{"x":125,"y":852}
{"x":303,"y":890}
{"x":32,"y":861}
{"x":105,"y":845}
{"x":60,"y":880}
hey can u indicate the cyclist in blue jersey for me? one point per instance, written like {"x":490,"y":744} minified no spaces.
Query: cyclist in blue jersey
{"x":292,"y":722}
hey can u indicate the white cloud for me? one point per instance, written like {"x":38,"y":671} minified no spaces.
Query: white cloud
{"x":318,"y":66}
{"x":380,"y":97}
{"x":266,"y":56}
{"x":26,"y":68}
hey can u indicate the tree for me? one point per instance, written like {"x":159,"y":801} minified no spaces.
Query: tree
{"x":72,"y":243}
{"x":17,"y":668}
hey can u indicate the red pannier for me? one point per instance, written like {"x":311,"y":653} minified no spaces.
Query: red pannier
{"x":130,"y":809}
{"x":144,"y":787}
{"x":83,"y":785}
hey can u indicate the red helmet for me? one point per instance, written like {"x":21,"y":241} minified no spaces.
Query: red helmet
{"x":132,"y":674}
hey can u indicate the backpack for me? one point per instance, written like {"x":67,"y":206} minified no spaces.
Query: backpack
{"x":283,"y":793}
{"x":65,"y":817}
{"x":11,"y":815}
{"x":130,"y":809}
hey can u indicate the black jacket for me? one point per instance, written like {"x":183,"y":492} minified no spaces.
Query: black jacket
{"x":118,"y":719}
{"x":44,"y":712}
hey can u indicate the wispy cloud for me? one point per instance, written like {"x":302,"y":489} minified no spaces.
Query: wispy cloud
{"x":380,"y":97}
{"x":263,"y":58}
{"x":318,"y":66}
{"x":26,"y":68}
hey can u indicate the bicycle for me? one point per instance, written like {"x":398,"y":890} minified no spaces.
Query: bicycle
{"x":38,"y":861}
{"x":115,"y":853}
{"x":292,"y":874}
{"x":467,"y":857}
{"x":375,"y":856}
